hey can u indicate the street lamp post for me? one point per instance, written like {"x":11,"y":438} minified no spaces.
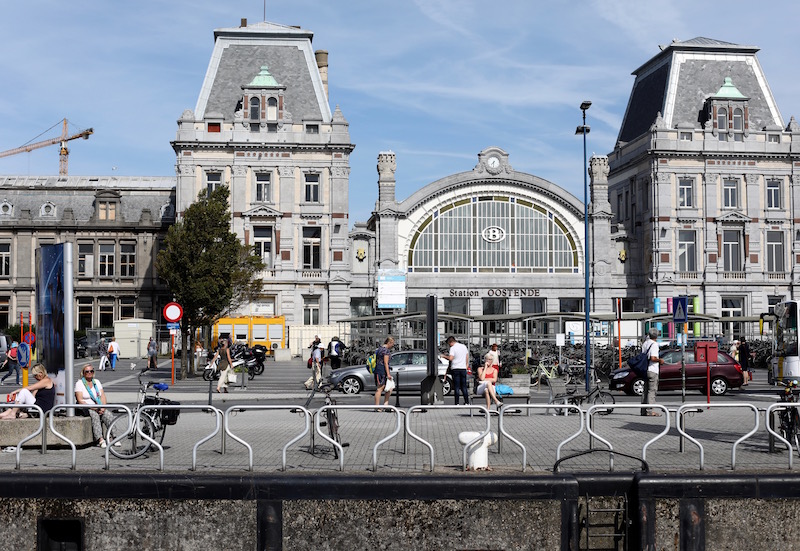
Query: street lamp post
{"x":583,"y":129}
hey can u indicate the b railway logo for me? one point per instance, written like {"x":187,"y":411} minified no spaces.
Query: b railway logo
{"x":493,"y":234}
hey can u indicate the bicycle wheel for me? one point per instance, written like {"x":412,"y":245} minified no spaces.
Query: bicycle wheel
{"x":606,"y":398}
{"x":333,"y":430}
{"x":133,"y":445}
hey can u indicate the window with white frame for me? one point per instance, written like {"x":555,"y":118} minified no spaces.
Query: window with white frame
{"x":312,"y":188}
{"x":738,"y":124}
{"x":127,"y":260}
{"x":263,"y":187}
{"x":722,"y":124}
{"x":213,"y":181}
{"x":262,"y":241}
{"x":312,"y":246}
{"x":255,"y":109}
{"x":730,"y":193}
{"x":5,"y":259}
{"x":732,"y":250}
{"x":687,"y":255}
{"x":311,"y":311}
{"x":85,"y":259}
{"x":272,"y":109}
{"x":775,"y":255}
{"x":732,"y":307}
{"x":773,"y":194}
{"x":686,"y":192}
{"x":106,"y":260}
{"x":85,"y":312}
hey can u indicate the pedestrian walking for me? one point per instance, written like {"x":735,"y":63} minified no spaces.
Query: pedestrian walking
{"x":224,"y":354}
{"x":382,"y":372}
{"x":113,"y":353}
{"x":152,"y":354}
{"x":459,"y":359}
{"x":745,"y":360}
{"x":316,"y":367}
{"x":11,"y":363}
{"x":335,"y":351}
{"x":650,"y":347}
{"x":102,"y":350}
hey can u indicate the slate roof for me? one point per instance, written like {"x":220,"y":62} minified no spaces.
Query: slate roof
{"x":677,"y":81}
{"x":238,"y":56}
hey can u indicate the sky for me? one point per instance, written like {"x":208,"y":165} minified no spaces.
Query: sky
{"x":435,"y":81}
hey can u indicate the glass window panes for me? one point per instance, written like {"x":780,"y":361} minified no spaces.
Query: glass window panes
{"x":85,"y":259}
{"x":312,"y":188}
{"x":456,"y":305}
{"x":775,"y":256}
{"x":127,"y":260}
{"x":5,"y":259}
{"x":262,"y":241}
{"x":732,"y":250}
{"x":255,"y":109}
{"x":127,"y":307}
{"x":263,"y":187}
{"x":685,"y":192}
{"x":732,"y":307}
{"x":416,"y":304}
{"x":773,"y":194}
{"x":687,"y":256}
{"x":570,"y":304}
{"x":730,"y":195}
{"x":213,"y":181}
{"x":722,"y":124}
{"x":106,"y":260}
{"x":312,"y":243}
{"x":272,"y":109}
{"x":311,"y":311}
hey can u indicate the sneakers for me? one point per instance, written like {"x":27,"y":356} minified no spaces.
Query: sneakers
{"x":103,"y":444}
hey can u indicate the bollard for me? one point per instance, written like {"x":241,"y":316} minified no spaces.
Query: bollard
{"x":478,"y":453}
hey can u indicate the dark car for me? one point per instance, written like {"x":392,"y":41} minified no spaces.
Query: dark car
{"x":408,"y":369}
{"x":81,"y":347}
{"x":725,"y":373}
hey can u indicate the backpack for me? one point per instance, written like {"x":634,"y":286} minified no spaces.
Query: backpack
{"x":372,"y":361}
{"x":639,"y":362}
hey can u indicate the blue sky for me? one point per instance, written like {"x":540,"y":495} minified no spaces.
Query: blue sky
{"x":435,"y":81}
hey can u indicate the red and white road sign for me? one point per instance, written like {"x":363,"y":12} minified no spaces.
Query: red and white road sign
{"x":173,"y":312}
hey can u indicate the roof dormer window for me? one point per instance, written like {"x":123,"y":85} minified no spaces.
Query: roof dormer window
{"x":272,"y":109}
{"x":728,"y":110}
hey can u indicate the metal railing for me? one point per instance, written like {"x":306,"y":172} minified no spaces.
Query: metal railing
{"x":681,"y":424}
{"x":39,"y":429}
{"x":218,"y":418}
{"x":467,"y":446}
{"x":113,"y":407}
{"x":292,"y":409}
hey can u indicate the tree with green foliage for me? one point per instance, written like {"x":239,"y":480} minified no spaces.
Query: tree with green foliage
{"x":208,"y":270}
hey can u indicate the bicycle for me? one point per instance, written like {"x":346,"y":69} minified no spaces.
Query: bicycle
{"x":152,"y":422}
{"x":789,"y":417}
{"x":595,"y":396}
{"x":542,"y":371}
{"x":331,"y":415}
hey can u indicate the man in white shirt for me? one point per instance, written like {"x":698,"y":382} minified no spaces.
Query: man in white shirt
{"x":113,"y":353}
{"x":459,"y":358}
{"x":650,"y":347}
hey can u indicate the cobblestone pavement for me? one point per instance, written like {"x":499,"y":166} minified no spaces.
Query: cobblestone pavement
{"x":541,"y":433}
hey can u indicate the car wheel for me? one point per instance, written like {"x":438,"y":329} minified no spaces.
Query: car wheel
{"x":638,"y":386}
{"x":719,"y":386}
{"x":447,"y":386}
{"x":352,"y":385}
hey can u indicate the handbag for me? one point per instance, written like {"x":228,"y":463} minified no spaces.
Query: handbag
{"x":389,"y":385}
{"x":231,"y":377}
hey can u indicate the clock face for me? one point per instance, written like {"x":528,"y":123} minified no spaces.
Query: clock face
{"x":493,"y":162}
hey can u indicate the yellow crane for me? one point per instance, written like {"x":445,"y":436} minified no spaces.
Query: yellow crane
{"x":62,"y":139}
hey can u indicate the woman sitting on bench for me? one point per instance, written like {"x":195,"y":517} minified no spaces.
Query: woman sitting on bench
{"x":41,"y":393}
{"x":487,"y":375}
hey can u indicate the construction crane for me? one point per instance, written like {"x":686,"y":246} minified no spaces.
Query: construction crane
{"x":63,"y":139}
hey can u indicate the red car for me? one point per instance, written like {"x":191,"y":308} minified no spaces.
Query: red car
{"x":725,"y":373}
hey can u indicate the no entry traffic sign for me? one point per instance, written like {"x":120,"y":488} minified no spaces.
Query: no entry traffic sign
{"x":173,"y":312}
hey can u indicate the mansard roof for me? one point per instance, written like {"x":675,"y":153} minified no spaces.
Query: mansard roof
{"x":678,"y":80}
{"x":238,"y":56}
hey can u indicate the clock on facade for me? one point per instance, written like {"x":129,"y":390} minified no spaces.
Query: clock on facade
{"x":493,"y":164}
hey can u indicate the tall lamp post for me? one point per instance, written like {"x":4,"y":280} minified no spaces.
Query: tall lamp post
{"x":583,"y":129}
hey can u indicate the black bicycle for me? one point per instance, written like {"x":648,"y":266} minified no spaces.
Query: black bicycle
{"x":152,"y":422}
{"x":331,"y":416}
{"x":789,"y":417}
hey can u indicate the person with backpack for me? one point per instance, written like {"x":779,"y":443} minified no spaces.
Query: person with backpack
{"x":650,"y":347}
{"x":335,"y":350}
{"x":382,"y":373}
{"x":11,"y":363}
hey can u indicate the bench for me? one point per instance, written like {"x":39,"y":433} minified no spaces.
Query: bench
{"x":77,"y":429}
{"x":521,"y":385}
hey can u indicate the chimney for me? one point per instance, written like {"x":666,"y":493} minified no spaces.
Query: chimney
{"x":244,"y":22}
{"x":322,"y":63}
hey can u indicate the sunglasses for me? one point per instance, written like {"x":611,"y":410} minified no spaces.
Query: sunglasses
{"x":88,"y":371}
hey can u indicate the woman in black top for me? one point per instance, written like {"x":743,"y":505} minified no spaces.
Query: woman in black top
{"x":41,"y":393}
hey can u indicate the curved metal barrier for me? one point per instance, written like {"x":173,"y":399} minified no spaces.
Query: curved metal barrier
{"x":545,"y":408}
{"x":31,"y":436}
{"x":770,"y":410}
{"x":339,"y":448}
{"x":471,"y":408}
{"x":218,"y":417}
{"x":687,"y":408}
{"x":292,"y":409}
{"x":59,"y":407}
{"x":602,"y":409}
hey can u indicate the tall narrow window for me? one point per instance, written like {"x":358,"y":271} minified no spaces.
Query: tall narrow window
{"x":312,"y":188}
{"x":732,"y":307}
{"x":85,"y":312}
{"x":730,"y":194}
{"x":127,"y":307}
{"x":213,"y":181}
{"x":311,"y":311}
{"x":255,"y":109}
{"x":686,"y":251}
{"x":722,"y":124}
{"x":312,"y":244}
{"x":738,"y":125}
{"x":272,"y":109}
{"x":732,"y":250}
{"x":106,"y":259}
{"x":262,"y":241}
{"x":106,"y":311}
{"x":127,"y":260}
{"x":775,"y":260}
{"x":263,"y":187}
{"x":5,"y":259}
{"x":4,"y":311}
{"x":773,"y":194}
{"x":686,"y":192}
{"x":85,"y":260}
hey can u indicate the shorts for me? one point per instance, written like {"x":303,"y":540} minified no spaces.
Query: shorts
{"x":481,"y":388}
{"x":380,"y":378}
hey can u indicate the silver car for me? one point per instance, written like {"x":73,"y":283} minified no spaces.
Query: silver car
{"x":408,"y":369}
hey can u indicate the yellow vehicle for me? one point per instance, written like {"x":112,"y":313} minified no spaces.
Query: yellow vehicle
{"x":271,"y":332}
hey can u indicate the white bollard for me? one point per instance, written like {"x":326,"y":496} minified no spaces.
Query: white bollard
{"x":478,"y":453}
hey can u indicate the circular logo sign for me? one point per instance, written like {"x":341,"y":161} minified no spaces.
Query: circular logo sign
{"x":493,"y":234}
{"x":173,"y":312}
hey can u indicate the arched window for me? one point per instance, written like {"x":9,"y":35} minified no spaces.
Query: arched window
{"x":722,"y":124}
{"x":272,"y":109}
{"x":255,"y":109}
{"x":737,"y":120}
{"x":493,"y":234}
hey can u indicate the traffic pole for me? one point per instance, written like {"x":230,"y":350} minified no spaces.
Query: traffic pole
{"x":172,"y":335}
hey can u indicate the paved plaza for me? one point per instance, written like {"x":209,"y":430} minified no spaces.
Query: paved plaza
{"x":540,"y":430}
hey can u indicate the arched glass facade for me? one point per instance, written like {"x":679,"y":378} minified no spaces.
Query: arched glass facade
{"x":493,"y":234}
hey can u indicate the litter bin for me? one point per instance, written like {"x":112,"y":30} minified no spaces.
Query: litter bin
{"x":431,"y":391}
